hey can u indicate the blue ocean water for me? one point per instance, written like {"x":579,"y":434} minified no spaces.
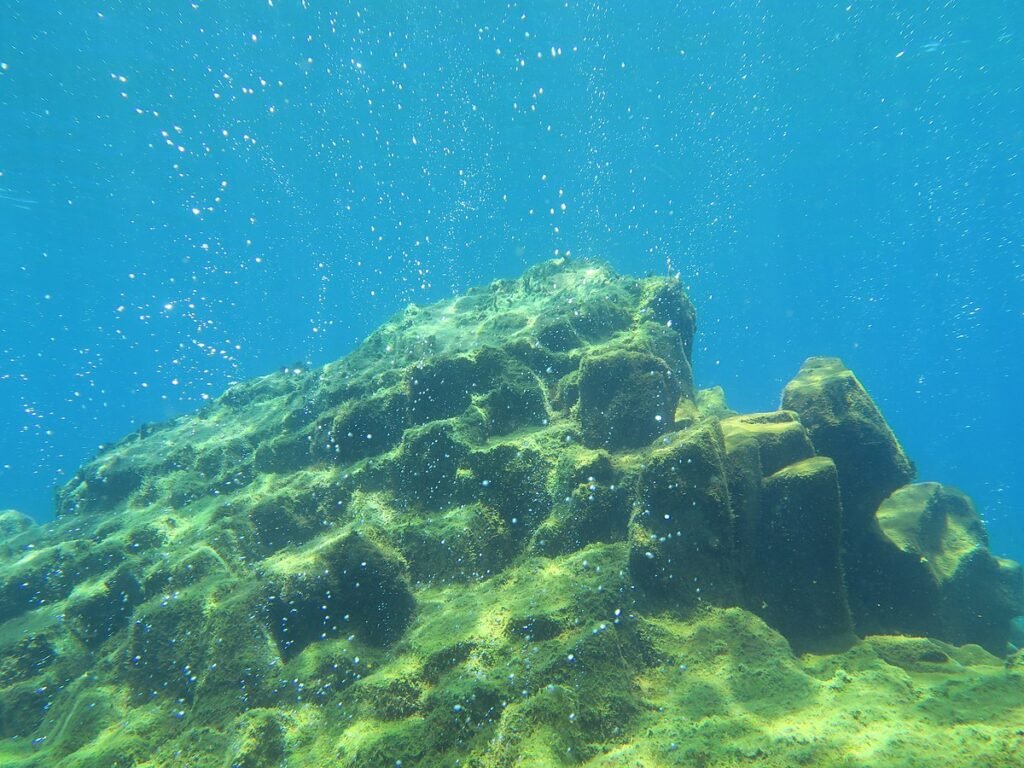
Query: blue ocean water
{"x":193,"y":193}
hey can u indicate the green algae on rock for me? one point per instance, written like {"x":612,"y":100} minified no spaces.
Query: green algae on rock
{"x":844,"y":424}
{"x":947,"y":573}
{"x":507,"y":530}
{"x":801,"y":589}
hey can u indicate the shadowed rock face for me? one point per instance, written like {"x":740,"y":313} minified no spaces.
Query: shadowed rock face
{"x":626,"y":399}
{"x":499,"y":511}
{"x":797,"y":556}
{"x":345,"y":582}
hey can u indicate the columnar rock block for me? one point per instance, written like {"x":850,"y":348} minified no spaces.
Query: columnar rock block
{"x":845,"y":424}
{"x":796,"y":577}
{"x":779,"y":437}
{"x":681,"y":530}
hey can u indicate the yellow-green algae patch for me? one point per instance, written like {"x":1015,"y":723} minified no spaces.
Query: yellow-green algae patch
{"x":507,"y":531}
{"x":885,"y":702}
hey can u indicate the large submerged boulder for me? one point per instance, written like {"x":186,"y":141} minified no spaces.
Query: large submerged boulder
{"x":946,"y":581}
{"x":505,"y":530}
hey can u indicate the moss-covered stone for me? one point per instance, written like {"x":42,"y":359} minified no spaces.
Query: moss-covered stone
{"x":466,"y":542}
{"x":78,"y":729}
{"x":745,"y":480}
{"x":13,"y":523}
{"x":756,"y":445}
{"x":945,"y":570}
{"x":665,"y":303}
{"x":282,"y":454}
{"x":592,"y":512}
{"x":444,"y":387}
{"x":711,"y":402}
{"x":1016,"y":634}
{"x":102,"y":485}
{"x":260,"y":740}
{"x":425,"y":471}
{"x":511,"y":480}
{"x":924,"y":654}
{"x":364,"y":427}
{"x":26,"y":658}
{"x":516,"y":401}
{"x":626,"y":399}
{"x":796,"y":578}
{"x":845,"y":424}
{"x":102,"y":610}
{"x":45,"y":575}
{"x":391,"y":698}
{"x":185,"y":569}
{"x":22,"y":709}
{"x":168,"y":646}
{"x":779,"y":437}
{"x":681,"y":530}
{"x":345,"y":583}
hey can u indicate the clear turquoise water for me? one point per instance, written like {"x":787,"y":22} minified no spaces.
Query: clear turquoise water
{"x":193,"y":193}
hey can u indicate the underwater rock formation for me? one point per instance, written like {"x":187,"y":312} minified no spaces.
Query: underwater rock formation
{"x":948,"y":581}
{"x":846,"y":425}
{"x":507,"y":530}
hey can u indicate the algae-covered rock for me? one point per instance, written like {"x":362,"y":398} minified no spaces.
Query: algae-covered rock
{"x":103,"y":485}
{"x":425,"y":469}
{"x":345,"y":583}
{"x":260,"y":739}
{"x":12,"y":523}
{"x":788,"y":529}
{"x":779,"y":437}
{"x":593,"y":512}
{"x":757,"y":445}
{"x":681,"y":531}
{"x":42,"y":575}
{"x":796,"y":578}
{"x":665,"y":303}
{"x":711,"y":402}
{"x":626,"y":399}
{"x":101,"y":611}
{"x":506,"y":530}
{"x":18,"y":533}
{"x":590,"y":502}
{"x":845,"y":424}
{"x":945,"y":567}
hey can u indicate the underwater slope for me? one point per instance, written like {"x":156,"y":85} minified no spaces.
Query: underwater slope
{"x":507,"y":531}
